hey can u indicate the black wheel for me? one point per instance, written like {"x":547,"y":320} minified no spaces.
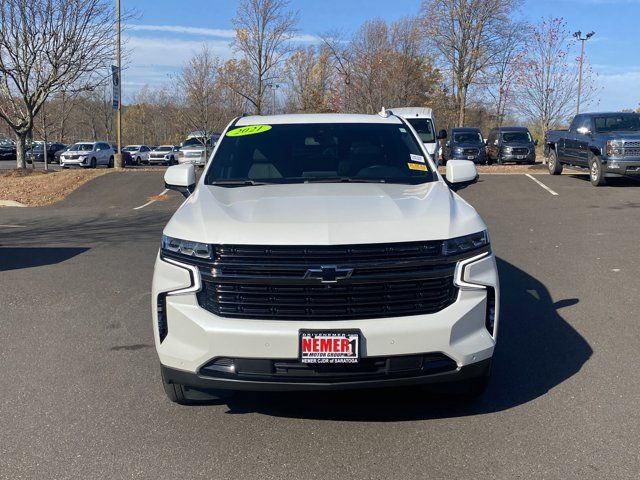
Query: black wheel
{"x":554,"y":166}
{"x":110,"y":164}
{"x":93,"y":163}
{"x":184,"y":395}
{"x":596,"y":172}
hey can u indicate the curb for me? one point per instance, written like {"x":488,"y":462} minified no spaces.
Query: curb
{"x":11,"y":203}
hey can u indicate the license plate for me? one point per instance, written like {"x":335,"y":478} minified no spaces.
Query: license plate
{"x":329,"y":347}
{"x":470,"y":157}
{"x":519,"y":157}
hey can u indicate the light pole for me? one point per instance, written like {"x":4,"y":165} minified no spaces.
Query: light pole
{"x":118,"y":155}
{"x":273,"y":87}
{"x":582,"y":39}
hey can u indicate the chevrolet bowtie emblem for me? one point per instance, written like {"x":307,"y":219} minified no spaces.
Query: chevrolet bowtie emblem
{"x":329,"y":273}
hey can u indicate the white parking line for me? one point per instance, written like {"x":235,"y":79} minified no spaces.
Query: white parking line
{"x":164,"y":192}
{"x":11,"y":226}
{"x":541,"y":184}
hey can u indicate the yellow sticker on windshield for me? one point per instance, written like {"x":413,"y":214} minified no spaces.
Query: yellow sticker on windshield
{"x":248,"y":130}
{"x":417,"y":166}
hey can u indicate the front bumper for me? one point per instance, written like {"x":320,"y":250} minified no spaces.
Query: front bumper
{"x":74,"y":163}
{"x":192,"y":161}
{"x":629,"y":166}
{"x":510,"y":157}
{"x":474,"y":370}
{"x":193,"y":337}
{"x":152,"y":161}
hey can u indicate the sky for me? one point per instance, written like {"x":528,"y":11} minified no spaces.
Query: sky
{"x":165,"y":33}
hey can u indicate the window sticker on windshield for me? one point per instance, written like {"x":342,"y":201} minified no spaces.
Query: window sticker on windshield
{"x":248,"y":130}
{"x":402,"y":130}
{"x":416,"y":158}
{"x":417,"y":166}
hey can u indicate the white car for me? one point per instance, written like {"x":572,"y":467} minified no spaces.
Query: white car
{"x":88,"y":154}
{"x":196,"y":150}
{"x":423,"y":122}
{"x":164,"y":155}
{"x":139,"y":153}
{"x":321,"y":252}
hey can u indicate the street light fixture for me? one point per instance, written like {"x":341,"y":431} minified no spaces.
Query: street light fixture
{"x":582,"y":39}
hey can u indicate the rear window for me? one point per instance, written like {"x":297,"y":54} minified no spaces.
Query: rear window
{"x":299,"y":153}
{"x":424,"y":127}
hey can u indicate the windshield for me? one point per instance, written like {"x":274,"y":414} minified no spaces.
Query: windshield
{"x":516,"y":137}
{"x":81,"y":147}
{"x":424,"y":127}
{"x":196,"y":142}
{"x":131,"y":148}
{"x":467,"y":137}
{"x":164,"y":149}
{"x":329,"y":152}
{"x":613,"y":123}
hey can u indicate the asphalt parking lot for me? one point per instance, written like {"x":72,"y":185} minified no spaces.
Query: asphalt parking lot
{"x":83,"y":398}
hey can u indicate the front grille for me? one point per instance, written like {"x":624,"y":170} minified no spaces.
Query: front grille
{"x":632,"y":144}
{"x":631,"y":152}
{"x":520,"y":151}
{"x":273,"y":282}
{"x":193,"y":154}
{"x":470,"y":151}
{"x":368,"y":368}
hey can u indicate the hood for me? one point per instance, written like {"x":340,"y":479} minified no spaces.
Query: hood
{"x":622,"y":135}
{"x":323,"y":214}
{"x":467,"y":145}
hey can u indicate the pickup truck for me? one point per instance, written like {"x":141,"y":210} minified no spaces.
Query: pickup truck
{"x":608,"y":144}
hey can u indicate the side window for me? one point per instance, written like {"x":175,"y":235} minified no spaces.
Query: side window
{"x":96,"y":147}
{"x":576,"y":123}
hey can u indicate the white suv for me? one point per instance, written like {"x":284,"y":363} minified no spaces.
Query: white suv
{"x":139,"y":153}
{"x":323,"y":252}
{"x":87,"y":154}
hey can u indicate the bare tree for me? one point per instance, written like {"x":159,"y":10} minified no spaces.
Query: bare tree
{"x":502,"y":73}
{"x":384,"y":65}
{"x":548,"y":86}
{"x":200,"y":95}
{"x":467,"y":33}
{"x":309,"y":76}
{"x":47,"y":46}
{"x":264,"y":29}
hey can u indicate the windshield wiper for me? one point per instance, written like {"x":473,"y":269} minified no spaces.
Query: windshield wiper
{"x":344,"y":180}
{"x":238,"y":183}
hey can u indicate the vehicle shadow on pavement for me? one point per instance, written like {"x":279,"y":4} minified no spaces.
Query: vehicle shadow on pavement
{"x":613,"y":181}
{"x":15,"y":258}
{"x":537,"y":350}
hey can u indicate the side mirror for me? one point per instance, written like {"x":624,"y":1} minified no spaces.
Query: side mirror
{"x":461,"y":173}
{"x":448,"y":144}
{"x":181,"y":178}
{"x":535,"y":142}
{"x":442,"y":134}
{"x":486,"y":142}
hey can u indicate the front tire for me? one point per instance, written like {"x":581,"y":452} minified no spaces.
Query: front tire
{"x":596,"y":172}
{"x":110,"y":164}
{"x":94,"y":164}
{"x":554,"y":166}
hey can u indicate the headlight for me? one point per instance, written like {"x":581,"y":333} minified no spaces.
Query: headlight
{"x":508,"y":149}
{"x":456,"y":246}
{"x":186,"y":247}
{"x":614,"y":143}
{"x":457,"y":150}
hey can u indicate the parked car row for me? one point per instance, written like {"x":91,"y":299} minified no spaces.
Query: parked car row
{"x":504,"y":144}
